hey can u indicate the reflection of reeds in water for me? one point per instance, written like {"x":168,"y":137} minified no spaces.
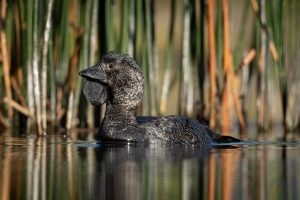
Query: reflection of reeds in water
{"x":45,"y":43}
{"x":56,"y":168}
{"x":6,"y":175}
{"x":212,"y":178}
{"x":36,"y":180}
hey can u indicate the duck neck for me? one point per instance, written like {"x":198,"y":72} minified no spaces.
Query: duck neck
{"x":120,"y":114}
{"x":120,"y":117}
{"x":120,"y":123}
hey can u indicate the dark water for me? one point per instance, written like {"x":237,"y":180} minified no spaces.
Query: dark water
{"x":60,"y":168}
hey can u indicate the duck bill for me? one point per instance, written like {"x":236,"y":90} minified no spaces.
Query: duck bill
{"x":94,"y":73}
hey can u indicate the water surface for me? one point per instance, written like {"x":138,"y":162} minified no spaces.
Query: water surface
{"x":71,"y":168}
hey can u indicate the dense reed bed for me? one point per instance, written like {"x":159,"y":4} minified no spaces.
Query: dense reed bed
{"x":227,"y":63}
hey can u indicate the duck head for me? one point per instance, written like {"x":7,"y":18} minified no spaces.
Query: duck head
{"x":117,"y":79}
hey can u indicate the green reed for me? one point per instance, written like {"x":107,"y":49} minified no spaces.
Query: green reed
{"x":47,"y":46}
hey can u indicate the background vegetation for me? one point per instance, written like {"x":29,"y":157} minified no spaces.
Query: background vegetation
{"x":230,"y":63}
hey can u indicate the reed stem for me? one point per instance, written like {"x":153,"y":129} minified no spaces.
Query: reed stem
{"x":230,"y":82}
{"x":169,"y":62}
{"x":132,"y":28}
{"x":151,"y":55}
{"x":22,"y":109}
{"x":109,"y":25}
{"x":5,"y":56}
{"x":188,"y":78}
{"x":262,"y":95}
{"x":44,"y":69}
{"x":212,"y":63}
{"x":36,"y":71}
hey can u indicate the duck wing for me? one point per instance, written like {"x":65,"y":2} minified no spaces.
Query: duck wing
{"x":179,"y":129}
{"x":176,"y":129}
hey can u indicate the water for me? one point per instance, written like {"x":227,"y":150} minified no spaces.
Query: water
{"x":70,"y":168}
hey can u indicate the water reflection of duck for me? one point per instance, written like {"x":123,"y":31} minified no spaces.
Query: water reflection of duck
{"x":130,"y":171}
{"x":118,"y":81}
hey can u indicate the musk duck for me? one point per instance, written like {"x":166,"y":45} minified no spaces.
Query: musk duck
{"x":117,"y":80}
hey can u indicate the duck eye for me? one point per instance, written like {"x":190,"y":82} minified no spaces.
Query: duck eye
{"x":110,"y":66}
